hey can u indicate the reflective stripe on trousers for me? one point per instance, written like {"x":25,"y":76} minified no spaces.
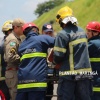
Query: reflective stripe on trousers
{"x":96,"y":89}
{"x":71,"y":60}
{"x":31,"y":85}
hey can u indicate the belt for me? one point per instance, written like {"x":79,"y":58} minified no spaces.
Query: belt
{"x":13,"y":68}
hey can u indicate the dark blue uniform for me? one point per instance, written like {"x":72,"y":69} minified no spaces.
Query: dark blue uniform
{"x":3,"y":64}
{"x":71,"y":51}
{"x":94,"y":53}
{"x":32,"y":73}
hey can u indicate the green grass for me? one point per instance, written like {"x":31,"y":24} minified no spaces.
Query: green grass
{"x":84,"y":11}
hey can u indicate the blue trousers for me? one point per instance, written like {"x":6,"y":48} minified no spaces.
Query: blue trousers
{"x":74,"y":90}
{"x":96,"y":96}
{"x":32,"y":95}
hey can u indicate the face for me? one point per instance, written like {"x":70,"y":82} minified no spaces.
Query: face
{"x":50,"y":33}
{"x":91,"y":33}
{"x":18,"y":30}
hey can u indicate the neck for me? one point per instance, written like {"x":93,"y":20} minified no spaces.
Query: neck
{"x":18,"y":36}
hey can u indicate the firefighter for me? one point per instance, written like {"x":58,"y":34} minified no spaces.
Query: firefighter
{"x":11,"y":56}
{"x":47,"y":29}
{"x":4,"y":91}
{"x":32,"y":71}
{"x":71,"y":52}
{"x":93,"y":34}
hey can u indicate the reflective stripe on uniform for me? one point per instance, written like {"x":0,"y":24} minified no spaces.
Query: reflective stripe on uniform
{"x":95,"y":59}
{"x":96,"y":89}
{"x":60,"y":49}
{"x":31,"y":85}
{"x":71,"y":44}
{"x":71,"y":60}
{"x":30,"y":55}
{"x":2,"y":78}
{"x":75,"y":72}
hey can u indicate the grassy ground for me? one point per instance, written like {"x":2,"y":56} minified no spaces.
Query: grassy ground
{"x":84,"y":11}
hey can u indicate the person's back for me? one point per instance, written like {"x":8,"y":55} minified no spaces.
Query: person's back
{"x":76,"y":42}
{"x":32,"y":72}
{"x":71,"y":52}
{"x":34,"y":46}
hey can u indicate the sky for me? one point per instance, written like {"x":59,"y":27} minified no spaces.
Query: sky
{"x":11,"y":9}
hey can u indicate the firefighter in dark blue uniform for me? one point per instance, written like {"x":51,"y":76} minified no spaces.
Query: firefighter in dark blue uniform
{"x":71,"y":51}
{"x":32,"y":73}
{"x":93,"y":33}
{"x":4,"y":91}
{"x":47,"y":29}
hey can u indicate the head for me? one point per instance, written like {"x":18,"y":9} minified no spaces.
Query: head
{"x":17,"y":26}
{"x":7,"y":27}
{"x":93,"y":29}
{"x":47,"y":29}
{"x":27,"y":27}
{"x":65,"y":16}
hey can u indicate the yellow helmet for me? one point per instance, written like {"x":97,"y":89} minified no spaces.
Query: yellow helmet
{"x":64,"y":12}
{"x":7,"y":26}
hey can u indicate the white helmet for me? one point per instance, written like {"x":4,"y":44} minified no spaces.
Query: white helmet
{"x":70,"y":19}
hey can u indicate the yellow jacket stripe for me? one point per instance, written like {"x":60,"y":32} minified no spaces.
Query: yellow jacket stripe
{"x":78,"y":41}
{"x":60,"y":49}
{"x":38,"y":54}
{"x":71,"y":44}
{"x":96,"y":89}
{"x":71,"y":60}
{"x":30,"y":85}
{"x":95,"y":59}
{"x":2,"y":78}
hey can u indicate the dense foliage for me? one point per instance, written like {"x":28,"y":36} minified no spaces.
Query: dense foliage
{"x":46,"y":6}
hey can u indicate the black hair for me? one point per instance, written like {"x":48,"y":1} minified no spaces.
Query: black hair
{"x":6,"y":32}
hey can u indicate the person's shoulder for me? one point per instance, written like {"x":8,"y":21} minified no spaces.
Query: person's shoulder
{"x":10,"y":37}
{"x":62,"y":33}
{"x":45,"y":36}
{"x":80,"y":28}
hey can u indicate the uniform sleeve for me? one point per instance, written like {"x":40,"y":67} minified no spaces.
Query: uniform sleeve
{"x":51,"y":41}
{"x":10,"y":53}
{"x":60,"y":46}
{"x":91,"y":48}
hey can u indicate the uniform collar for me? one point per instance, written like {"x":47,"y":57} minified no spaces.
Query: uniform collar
{"x":31,"y":33}
{"x":17,"y":36}
{"x":94,"y":37}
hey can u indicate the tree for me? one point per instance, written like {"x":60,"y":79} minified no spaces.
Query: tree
{"x":46,"y":6}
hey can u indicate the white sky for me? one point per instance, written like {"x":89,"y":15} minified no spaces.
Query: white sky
{"x":11,"y":9}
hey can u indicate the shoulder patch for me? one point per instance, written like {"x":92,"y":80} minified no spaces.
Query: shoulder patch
{"x":12,"y":43}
